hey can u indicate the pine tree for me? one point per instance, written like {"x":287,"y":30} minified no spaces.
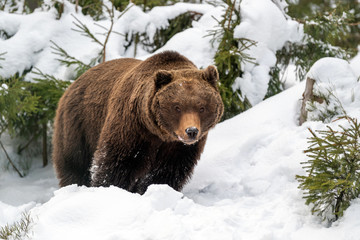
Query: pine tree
{"x":16,"y":104}
{"x":333,"y":170}
{"x":49,"y":90}
{"x":27,"y":110}
{"x":229,"y":58}
{"x":329,"y":31}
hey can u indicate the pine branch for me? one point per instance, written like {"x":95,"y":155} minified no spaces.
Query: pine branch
{"x":111,"y":15}
{"x":68,"y":60}
{"x":18,"y":230}
{"x":1,"y":58}
{"x":125,"y":10}
{"x":84,"y":30}
{"x":3,"y":5}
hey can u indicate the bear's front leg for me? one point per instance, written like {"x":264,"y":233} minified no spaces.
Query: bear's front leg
{"x":175,"y":163}
{"x":118,"y":165}
{"x":107,"y":169}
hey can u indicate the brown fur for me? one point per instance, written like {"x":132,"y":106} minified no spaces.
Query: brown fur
{"x":126,"y":120}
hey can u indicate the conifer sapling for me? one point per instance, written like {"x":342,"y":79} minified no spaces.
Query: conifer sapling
{"x":333,"y":170}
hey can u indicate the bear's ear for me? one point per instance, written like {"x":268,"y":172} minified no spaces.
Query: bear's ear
{"x":162,"y":78}
{"x":211,"y":75}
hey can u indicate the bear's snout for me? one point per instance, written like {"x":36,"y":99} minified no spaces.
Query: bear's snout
{"x":188,"y":130}
{"x":192,"y":132}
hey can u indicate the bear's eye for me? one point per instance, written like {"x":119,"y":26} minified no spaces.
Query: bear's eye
{"x":202,"y":109}
{"x":177,"y":108}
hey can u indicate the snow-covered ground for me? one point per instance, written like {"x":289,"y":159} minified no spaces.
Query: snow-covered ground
{"x":244,"y":186}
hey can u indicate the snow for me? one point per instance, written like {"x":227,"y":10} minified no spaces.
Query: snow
{"x":194,"y":43}
{"x":264,"y":22}
{"x":244,"y":186}
{"x":355,"y":63}
{"x":29,"y":44}
{"x":334,"y":79}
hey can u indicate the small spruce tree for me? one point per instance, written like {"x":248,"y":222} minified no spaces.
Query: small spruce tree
{"x":333,"y":170}
{"x":16,"y":104}
{"x":49,"y":90}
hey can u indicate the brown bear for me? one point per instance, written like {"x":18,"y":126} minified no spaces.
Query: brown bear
{"x":132,"y":123}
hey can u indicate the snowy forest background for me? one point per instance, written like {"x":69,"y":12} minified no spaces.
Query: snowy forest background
{"x":254,"y":180}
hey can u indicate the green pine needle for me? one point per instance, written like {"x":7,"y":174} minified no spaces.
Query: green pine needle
{"x":18,"y":230}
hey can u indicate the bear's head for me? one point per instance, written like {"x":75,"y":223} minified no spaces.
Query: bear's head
{"x":187,"y":103}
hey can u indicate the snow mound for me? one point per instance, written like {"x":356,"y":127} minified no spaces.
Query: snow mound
{"x":113,"y":213}
{"x":264,"y":22}
{"x":336,"y":82}
{"x":333,"y":70}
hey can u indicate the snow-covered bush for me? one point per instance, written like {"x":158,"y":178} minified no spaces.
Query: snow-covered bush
{"x":329,"y":30}
{"x":230,"y":58}
{"x":335,"y":85}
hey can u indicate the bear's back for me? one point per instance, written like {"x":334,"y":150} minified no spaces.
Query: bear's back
{"x":84,"y":103}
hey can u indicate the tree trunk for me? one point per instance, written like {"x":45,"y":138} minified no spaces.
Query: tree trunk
{"x":307,"y":95}
{"x":44,"y":145}
{"x":10,"y":161}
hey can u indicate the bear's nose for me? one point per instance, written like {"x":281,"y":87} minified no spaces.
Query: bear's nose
{"x":192,"y":132}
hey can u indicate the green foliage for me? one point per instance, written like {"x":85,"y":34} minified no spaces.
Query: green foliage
{"x":307,"y":9}
{"x":18,"y":230}
{"x":18,"y":6}
{"x":275,"y":84}
{"x":328,"y":32}
{"x":333,"y":170}
{"x":26,"y":105}
{"x":91,"y":7}
{"x":95,"y":8}
{"x":85,"y":31}
{"x":145,"y":4}
{"x":176,"y":25}
{"x":229,"y":59}
{"x":12,"y":5}
{"x":16,"y":104}
{"x":149,"y":4}
{"x":26,"y":109}
{"x":49,"y":90}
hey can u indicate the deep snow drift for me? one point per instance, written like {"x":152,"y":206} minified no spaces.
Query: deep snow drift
{"x":244,"y":186}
